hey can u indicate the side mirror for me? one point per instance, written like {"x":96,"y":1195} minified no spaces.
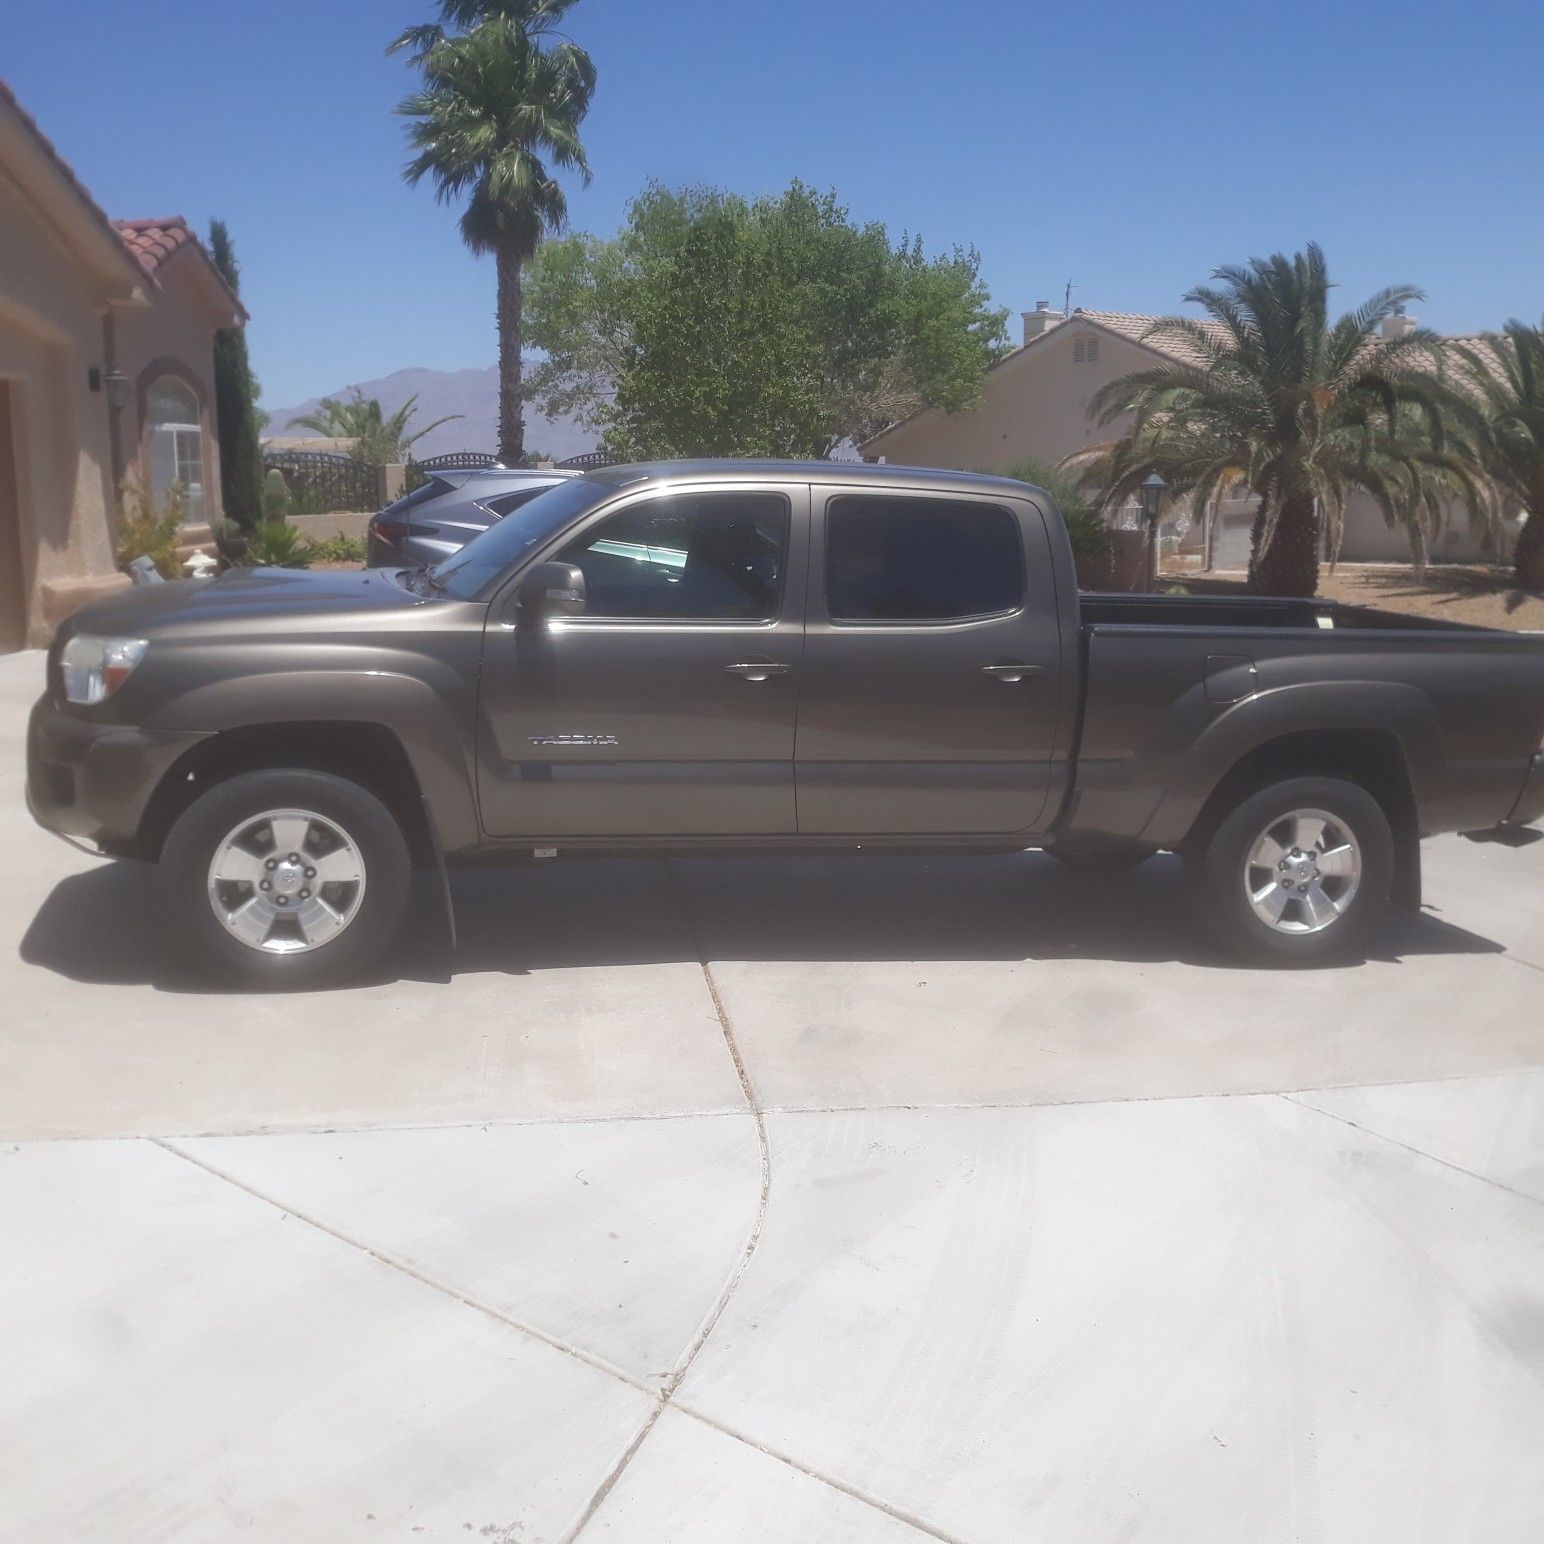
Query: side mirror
{"x":551,"y":590}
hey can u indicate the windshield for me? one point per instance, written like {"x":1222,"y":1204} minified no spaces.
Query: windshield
{"x":467,"y":573}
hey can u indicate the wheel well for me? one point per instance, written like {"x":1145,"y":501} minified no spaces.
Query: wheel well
{"x":367,"y":754}
{"x":1372,"y":758}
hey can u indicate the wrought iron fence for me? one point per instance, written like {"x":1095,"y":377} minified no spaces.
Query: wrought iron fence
{"x":321,"y":481}
{"x":587,"y":462}
{"x":419,"y":472}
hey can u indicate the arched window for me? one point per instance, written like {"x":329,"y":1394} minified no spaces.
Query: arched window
{"x":175,"y":445}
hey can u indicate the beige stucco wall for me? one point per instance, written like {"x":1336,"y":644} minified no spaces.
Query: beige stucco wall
{"x":50,"y":337}
{"x":1034,"y":404}
{"x":173,"y":335}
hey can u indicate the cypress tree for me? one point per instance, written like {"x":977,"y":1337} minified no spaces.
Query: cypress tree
{"x":235,"y":394}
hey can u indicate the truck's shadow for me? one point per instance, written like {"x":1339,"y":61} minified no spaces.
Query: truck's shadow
{"x":104,"y":926}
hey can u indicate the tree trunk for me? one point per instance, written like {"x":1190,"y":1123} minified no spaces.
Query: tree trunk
{"x":1290,"y":565}
{"x":1530,"y":549}
{"x":511,"y":306}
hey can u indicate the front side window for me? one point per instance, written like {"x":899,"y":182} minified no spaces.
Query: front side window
{"x":891,"y":558}
{"x":694,"y":557}
{"x":174,"y":444}
{"x":474,"y":571}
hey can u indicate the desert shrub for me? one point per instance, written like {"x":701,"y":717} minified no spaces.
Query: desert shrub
{"x":146,"y":532}
{"x":1085,"y":525}
{"x":230,"y":541}
{"x":274,"y":544}
{"x":338,"y":549}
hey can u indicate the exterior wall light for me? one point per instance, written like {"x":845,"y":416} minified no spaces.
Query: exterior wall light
{"x":1154,"y":489}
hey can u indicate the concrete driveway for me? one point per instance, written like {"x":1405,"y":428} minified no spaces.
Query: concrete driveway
{"x":739,"y":1203}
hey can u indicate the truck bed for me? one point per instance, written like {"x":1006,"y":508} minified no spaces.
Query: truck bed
{"x":1178,"y":687}
{"x":1256,"y":611}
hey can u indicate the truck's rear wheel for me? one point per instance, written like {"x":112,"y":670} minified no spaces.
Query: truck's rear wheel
{"x":287,"y":878}
{"x":1297,"y":873}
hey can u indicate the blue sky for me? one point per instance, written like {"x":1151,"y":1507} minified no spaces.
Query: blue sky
{"x":1128,"y":147}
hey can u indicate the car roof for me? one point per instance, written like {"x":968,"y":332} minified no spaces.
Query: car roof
{"x":853,"y":473}
{"x":511,"y":476}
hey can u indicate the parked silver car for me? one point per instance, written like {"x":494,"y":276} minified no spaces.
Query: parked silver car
{"x":443,"y":515}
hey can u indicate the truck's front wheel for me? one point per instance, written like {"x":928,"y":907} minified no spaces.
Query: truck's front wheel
{"x":1297,"y":873}
{"x":287,"y":878}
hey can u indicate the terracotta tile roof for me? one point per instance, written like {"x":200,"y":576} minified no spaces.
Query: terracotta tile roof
{"x":1136,"y":327}
{"x":151,"y":242}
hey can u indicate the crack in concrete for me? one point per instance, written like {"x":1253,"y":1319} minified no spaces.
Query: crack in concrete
{"x":1410,"y":1147}
{"x":737,"y":1273}
{"x":878,"y":1503}
{"x":407,"y":1268}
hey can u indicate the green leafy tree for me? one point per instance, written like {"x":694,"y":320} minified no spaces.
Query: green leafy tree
{"x":1507,"y":373}
{"x":237,"y":421}
{"x":379,"y":438}
{"x":1271,"y":396}
{"x":497,"y":117}
{"x":711,"y":324}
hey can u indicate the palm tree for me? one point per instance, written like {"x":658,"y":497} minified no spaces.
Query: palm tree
{"x":1507,"y":372}
{"x":536,"y":19}
{"x":378,"y":440}
{"x":1269,"y":395}
{"x":498,"y":112}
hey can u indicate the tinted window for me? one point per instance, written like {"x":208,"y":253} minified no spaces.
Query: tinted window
{"x":505,"y":502}
{"x":694,"y":557}
{"x":895,"y":559}
{"x":485,"y":559}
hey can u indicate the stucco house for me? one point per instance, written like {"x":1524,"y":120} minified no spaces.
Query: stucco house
{"x":106,"y":369}
{"x":1035,"y":403}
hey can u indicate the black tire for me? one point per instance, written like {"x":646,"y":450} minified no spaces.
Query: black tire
{"x":1215,"y":868}
{"x":1097,"y":862}
{"x":200,"y":833}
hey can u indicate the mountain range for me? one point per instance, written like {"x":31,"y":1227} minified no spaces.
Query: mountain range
{"x":474,"y":394}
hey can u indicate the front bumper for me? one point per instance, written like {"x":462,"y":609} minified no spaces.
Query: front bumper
{"x":91,"y":782}
{"x":1530,"y":802}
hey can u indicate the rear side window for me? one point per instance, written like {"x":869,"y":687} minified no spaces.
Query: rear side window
{"x":420,"y":495}
{"x":505,"y":502}
{"x":895,"y":559}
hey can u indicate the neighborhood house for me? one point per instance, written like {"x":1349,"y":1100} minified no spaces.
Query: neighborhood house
{"x":1035,"y":400}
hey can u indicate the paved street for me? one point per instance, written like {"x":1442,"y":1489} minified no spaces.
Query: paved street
{"x":827,"y":1201}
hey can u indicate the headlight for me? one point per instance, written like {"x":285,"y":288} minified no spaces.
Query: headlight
{"x":94,"y":668}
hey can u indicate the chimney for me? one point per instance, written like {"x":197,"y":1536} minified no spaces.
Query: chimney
{"x":1398,"y":325}
{"x":1041,"y":320}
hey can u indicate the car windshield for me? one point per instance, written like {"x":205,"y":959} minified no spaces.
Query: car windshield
{"x":468,"y":573}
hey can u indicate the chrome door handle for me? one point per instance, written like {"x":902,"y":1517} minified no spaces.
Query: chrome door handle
{"x":758,"y":670}
{"x":1011,"y":673}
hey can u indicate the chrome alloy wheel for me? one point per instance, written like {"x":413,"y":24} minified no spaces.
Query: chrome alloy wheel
{"x":286,"y":881}
{"x":1303,"y":872}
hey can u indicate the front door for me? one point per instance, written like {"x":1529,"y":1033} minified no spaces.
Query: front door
{"x":668,"y":708}
{"x":932,"y":666}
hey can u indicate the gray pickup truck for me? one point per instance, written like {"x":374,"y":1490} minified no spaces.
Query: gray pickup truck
{"x":719,"y":656}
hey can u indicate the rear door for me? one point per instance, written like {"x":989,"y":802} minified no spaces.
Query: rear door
{"x":668,"y":709}
{"x":932,"y":665}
